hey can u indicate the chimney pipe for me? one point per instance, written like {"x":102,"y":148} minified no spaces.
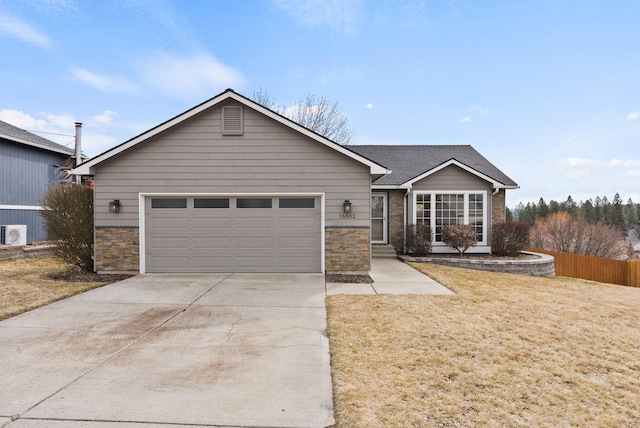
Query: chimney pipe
{"x":78,"y":149}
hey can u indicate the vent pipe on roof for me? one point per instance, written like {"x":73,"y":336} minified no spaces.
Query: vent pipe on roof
{"x":78,"y":149}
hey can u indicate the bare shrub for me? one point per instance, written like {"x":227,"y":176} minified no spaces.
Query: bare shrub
{"x":507,"y":239}
{"x":459,"y":236}
{"x":68,"y":220}
{"x":418,"y":239}
{"x":563,"y":233}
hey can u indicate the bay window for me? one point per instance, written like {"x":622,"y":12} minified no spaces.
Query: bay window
{"x":438,"y":209}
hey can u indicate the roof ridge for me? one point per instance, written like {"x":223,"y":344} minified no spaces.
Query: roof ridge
{"x":411,"y":145}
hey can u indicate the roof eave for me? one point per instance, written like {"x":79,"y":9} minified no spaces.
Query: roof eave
{"x":67,"y":152}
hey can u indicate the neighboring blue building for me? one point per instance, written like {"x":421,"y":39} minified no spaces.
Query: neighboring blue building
{"x":29,"y":164}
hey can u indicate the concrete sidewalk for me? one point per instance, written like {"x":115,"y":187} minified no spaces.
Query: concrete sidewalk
{"x":170,"y":351}
{"x":391,"y":276}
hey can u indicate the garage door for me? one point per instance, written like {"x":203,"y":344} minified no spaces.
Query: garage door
{"x":232,"y":234}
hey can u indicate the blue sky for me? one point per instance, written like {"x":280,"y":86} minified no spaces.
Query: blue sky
{"x":549,"y":91}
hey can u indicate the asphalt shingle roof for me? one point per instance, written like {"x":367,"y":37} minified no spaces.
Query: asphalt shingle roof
{"x":14,"y":133}
{"x":409,"y":162}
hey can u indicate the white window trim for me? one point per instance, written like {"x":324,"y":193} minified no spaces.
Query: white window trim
{"x":432,"y":214}
{"x":385,"y":217}
{"x":22,"y":207}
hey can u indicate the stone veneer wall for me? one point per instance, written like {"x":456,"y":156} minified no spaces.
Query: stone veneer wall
{"x":20,"y":252}
{"x":117,"y":250}
{"x":498,"y":208}
{"x":541,"y":266}
{"x":396,"y":220}
{"x":347,"y":249}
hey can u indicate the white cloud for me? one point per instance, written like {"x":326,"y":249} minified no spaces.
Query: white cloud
{"x":465,"y":119}
{"x":634,"y":115}
{"x":196,"y":76}
{"x":95,"y":143}
{"x":480,"y":111}
{"x":572,"y":138}
{"x":629,"y":163}
{"x":63,"y":121}
{"x":60,"y":128}
{"x":102,"y":83}
{"x":576,"y":167}
{"x":369,"y":105}
{"x":296,"y":112}
{"x":339,"y":15}
{"x":576,"y":173}
{"x":22,"y":120}
{"x":14,"y":27}
{"x":575,"y":162}
{"x":57,"y":128}
{"x":104,"y":118}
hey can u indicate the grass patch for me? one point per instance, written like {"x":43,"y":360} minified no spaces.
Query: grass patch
{"x":28,"y":284}
{"x":506,"y":350}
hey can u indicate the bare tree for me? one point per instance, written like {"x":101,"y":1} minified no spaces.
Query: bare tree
{"x":562,"y":232}
{"x":313,"y":112}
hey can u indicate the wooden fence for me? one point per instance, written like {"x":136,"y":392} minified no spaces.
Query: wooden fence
{"x":596,"y":268}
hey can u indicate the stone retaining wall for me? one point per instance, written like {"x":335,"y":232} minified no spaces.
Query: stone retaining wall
{"x":541,"y":266}
{"x":20,"y":252}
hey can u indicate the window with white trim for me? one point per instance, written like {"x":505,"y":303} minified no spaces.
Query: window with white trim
{"x":438,"y":209}
{"x":423,"y":208}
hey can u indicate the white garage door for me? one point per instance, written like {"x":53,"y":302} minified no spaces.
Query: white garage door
{"x":232,"y":234}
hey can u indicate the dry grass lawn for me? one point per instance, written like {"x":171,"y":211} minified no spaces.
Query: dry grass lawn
{"x":506,"y":350}
{"x":24,"y":285}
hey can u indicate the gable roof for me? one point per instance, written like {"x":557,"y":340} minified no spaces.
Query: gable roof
{"x":20,"y":136}
{"x":412,"y":163}
{"x":86,"y":168}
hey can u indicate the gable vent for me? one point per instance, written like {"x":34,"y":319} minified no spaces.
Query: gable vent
{"x":232,"y":120}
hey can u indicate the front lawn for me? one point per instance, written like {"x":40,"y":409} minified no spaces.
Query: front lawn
{"x":506,"y":350}
{"x":27,"y":284}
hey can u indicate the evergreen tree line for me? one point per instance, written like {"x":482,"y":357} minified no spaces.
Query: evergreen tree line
{"x":599,"y":210}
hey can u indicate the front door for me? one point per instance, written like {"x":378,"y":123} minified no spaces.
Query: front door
{"x":379,"y":218}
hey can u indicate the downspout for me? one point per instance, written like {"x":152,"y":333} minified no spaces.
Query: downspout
{"x":490,"y":214}
{"x":78,"y":149}
{"x":404,"y":219}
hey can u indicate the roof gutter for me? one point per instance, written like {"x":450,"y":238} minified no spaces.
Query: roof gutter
{"x":40,"y":146}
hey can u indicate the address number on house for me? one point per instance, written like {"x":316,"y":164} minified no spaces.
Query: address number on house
{"x":347,"y":216}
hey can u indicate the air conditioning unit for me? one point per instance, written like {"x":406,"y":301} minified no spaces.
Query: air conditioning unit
{"x":13,"y":234}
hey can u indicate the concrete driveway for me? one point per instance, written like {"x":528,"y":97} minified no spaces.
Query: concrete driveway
{"x":236,"y":350}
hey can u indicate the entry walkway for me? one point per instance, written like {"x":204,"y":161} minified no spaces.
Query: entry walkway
{"x":391,"y":276}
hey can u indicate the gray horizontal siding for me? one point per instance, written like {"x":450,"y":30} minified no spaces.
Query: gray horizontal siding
{"x":452,"y":178}
{"x":194,"y":157}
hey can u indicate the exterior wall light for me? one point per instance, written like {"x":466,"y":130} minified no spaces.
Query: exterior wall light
{"x":346,"y":207}
{"x":114,"y":206}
